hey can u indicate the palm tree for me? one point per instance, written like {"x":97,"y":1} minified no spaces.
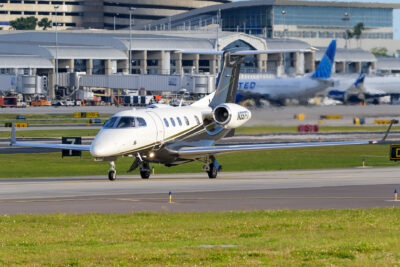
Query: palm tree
{"x":357,"y":32}
{"x":45,"y":23}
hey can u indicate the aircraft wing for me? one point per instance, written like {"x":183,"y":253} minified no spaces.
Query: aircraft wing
{"x":195,"y":152}
{"x":55,"y":146}
{"x":46,"y":145}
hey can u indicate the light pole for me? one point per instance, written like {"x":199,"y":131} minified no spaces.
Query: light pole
{"x":284,"y":23}
{"x":115,"y":16}
{"x":56,"y":85}
{"x":131,"y":10}
{"x":346,"y":19}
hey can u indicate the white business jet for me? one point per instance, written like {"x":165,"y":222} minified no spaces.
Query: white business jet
{"x":176,"y":135}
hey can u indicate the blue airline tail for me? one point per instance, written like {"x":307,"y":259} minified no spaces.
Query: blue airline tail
{"x":324,"y":69}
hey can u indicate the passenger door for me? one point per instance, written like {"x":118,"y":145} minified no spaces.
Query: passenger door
{"x":159,"y":127}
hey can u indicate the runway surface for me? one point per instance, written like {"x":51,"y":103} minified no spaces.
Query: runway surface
{"x":305,"y":189}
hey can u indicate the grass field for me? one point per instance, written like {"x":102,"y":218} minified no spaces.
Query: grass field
{"x":259,"y":238}
{"x":52,"y":165}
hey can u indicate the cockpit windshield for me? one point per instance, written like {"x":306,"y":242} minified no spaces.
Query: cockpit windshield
{"x":124,"y":122}
{"x":110,"y":123}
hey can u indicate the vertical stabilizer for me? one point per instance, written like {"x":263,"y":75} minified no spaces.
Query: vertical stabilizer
{"x":324,"y":69}
{"x":228,"y":80}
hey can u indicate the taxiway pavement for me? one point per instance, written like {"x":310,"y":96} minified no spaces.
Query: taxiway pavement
{"x":301,"y":189}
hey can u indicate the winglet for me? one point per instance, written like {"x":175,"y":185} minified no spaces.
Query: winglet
{"x":13,"y":136}
{"x":360,"y":79}
{"x":388,"y":130}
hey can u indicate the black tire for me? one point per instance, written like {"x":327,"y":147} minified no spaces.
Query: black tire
{"x":112,"y":175}
{"x":213,"y":172}
{"x":145,"y":174}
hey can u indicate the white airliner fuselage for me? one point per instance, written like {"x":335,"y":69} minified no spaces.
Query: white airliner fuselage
{"x":283,"y":88}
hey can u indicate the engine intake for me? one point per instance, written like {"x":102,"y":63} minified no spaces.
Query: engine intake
{"x":231,"y":115}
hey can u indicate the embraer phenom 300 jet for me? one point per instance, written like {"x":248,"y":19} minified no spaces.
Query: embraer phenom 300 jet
{"x":176,"y":135}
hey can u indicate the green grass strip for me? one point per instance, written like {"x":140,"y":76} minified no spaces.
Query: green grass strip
{"x":52,"y":165}
{"x":262,"y":238}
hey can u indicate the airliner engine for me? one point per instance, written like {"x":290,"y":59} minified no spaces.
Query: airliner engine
{"x":231,"y":115}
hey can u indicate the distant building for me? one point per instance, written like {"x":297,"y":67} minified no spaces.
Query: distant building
{"x":97,"y":13}
{"x":315,"y":22}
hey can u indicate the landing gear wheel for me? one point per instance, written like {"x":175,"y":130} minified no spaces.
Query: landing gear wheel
{"x":213,"y":172}
{"x":145,"y":174}
{"x":145,"y":170}
{"x":112,"y":175}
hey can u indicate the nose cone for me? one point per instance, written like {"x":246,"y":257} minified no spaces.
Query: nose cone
{"x":106,"y":144}
{"x":98,"y":151}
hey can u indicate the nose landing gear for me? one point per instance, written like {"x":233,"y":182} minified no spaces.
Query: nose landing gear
{"x":112,"y":173}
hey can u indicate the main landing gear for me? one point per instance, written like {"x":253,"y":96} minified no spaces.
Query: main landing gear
{"x":144,"y":167}
{"x":145,"y":170}
{"x":212,"y":167}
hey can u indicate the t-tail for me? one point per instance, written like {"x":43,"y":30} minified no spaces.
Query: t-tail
{"x":324,"y":69}
{"x":228,"y":80}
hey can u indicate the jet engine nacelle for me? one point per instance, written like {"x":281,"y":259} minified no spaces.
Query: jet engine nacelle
{"x":231,"y":115}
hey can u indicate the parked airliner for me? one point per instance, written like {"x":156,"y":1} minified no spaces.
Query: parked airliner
{"x":364,"y":87}
{"x":277,"y":90}
{"x":176,"y":135}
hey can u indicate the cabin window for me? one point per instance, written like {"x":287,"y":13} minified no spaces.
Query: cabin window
{"x":197,"y":119}
{"x":110,"y":123}
{"x":141,"y":122}
{"x":179,"y":121}
{"x":126,"y":122}
{"x":172,"y":121}
{"x":186,"y":120}
{"x":166,"y":122}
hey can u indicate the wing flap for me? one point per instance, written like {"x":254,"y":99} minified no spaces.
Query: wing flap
{"x":196,"y":152}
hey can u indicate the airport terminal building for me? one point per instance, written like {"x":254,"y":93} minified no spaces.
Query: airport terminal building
{"x":101,"y":53}
{"x":316,"y":23}
{"x":97,"y":14}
